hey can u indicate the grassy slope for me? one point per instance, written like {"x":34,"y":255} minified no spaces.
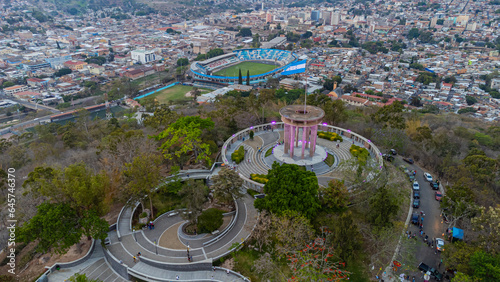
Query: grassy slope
{"x":175,"y":93}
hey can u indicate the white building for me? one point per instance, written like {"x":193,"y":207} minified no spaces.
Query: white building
{"x":144,"y":56}
{"x":335,"y":18}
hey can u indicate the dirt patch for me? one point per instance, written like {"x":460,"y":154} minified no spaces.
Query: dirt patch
{"x":189,"y":94}
{"x":169,"y":238}
{"x":225,"y":222}
{"x":112,"y":216}
{"x":36,"y":266}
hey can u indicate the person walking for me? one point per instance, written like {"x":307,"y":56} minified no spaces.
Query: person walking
{"x":177,"y":277}
{"x":134,"y":258}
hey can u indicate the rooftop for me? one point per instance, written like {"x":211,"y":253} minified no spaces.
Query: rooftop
{"x":297,"y":113}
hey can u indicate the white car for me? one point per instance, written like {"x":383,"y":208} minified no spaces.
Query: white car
{"x":416,"y":187}
{"x":428,"y":176}
{"x":440,"y":244}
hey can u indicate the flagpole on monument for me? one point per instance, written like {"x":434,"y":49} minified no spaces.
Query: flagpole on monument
{"x":305,"y":92}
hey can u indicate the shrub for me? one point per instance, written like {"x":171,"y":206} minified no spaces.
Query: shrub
{"x":332,"y":136}
{"x":360,"y":153}
{"x":251,"y":134}
{"x":238,"y":155}
{"x":143,"y":215}
{"x":261,"y":178}
{"x":252,"y":192}
{"x":209,"y":220}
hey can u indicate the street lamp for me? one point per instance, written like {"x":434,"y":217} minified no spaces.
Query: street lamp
{"x":133,"y":232}
{"x":156,"y":246}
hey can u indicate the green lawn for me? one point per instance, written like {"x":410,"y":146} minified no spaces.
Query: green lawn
{"x":330,"y":160}
{"x":175,"y":93}
{"x":254,"y":68}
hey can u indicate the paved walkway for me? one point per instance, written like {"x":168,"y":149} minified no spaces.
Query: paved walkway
{"x":95,"y":267}
{"x":203,"y":248}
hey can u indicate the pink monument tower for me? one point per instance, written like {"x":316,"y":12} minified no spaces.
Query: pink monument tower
{"x":301,"y":126}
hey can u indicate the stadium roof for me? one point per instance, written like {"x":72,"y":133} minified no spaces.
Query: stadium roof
{"x":206,"y":62}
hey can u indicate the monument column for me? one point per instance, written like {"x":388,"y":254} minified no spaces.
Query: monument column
{"x":304,"y":141}
{"x":292,"y":138}
{"x":314,"y":135}
{"x":286,"y":137}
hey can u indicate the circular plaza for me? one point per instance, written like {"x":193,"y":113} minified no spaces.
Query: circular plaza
{"x":301,"y":138}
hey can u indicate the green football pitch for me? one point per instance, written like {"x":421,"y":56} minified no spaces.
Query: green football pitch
{"x":254,"y":68}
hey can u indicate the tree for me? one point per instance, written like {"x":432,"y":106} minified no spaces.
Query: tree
{"x":346,"y":236}
{"x":349,"y":88}
{"x":240,"y":79}
{"x":194,"y":195}
{"x":209,"y":220}
{"x":245,"y":32}
{"x":487,"y":229}
{"x":63,"y":71}
{"x":450,"y":79}
{"x":335,"y":197}
{"x":182,"y":62}
{"x":184,"y":136}
{"x":415,"y":101}
{"x":290,"y":231}
{"x":77,"y":277}
{"x":383,"y":208}
{"x":226,"y":186}
{"x":290,"y":188}
{"x":413,"y":33}
{"x":335,"y":112}
{"x":248,"y":77}
{"x":195,"y":92}
{"x":390,"y":115}
{"x":142,"y":176}
{"x":471,"y":100}
{"x":76,"y":185}
{"x":55,"y":226}
{"x":256,"y":41}
{"x":162,"y":117}
{"x":316,"y":262}
{"x":329,"y":83}
{"x":8,"y":84}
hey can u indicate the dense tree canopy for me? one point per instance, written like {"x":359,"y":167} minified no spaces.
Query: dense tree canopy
{"x":290,"y":188}
{"x":184,"y":136}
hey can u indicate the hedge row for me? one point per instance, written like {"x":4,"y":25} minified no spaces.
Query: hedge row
{"x":238,"y":155}
{"x":359,"y":152}
{"x":332,"y":136}
{"x":261,"y":178}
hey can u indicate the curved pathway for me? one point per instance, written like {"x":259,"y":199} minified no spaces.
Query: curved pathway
{"x":164,"y":264}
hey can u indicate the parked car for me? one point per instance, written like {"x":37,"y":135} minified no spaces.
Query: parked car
{"x":434,"y":185}
{"x":410,"y":161}
{"x":416,"y":195}
{"x":416,"y":186}
{"x":416,"y":203}
{"x":438,"y":196}
{"x":439,"y":244}
{"x":387,"y":157}
{"x":393,"y":152}
{"x":428,"y":176}
{"x":414,"y":218}
{"x":434,"y":273}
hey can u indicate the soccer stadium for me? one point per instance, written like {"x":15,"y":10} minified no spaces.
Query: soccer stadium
{"x":224,"y":69}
